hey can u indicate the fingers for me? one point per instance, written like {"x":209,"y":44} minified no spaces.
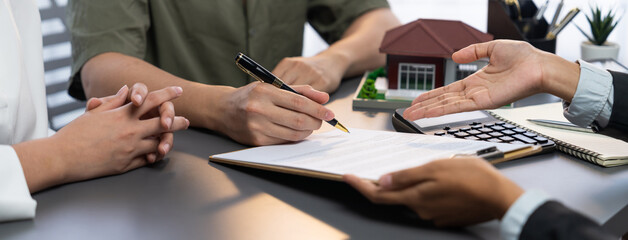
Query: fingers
{"x":444,"y":107}
{"x":156,"y":98}
{"x":138,"y":94}
{"x":458,"y":86}
{"x":373,"y":192}
{"x":166,"y":143}
{"x":275,"y":131}
{"x":153,"y":126}
{"x":406,"y":178}
{"x":311,"y":93}
{"x":137,"y":162}
{"x":111,"y":102}
{"x":474,"y":52}
{"x":166,"y":113}
{"x":302,"y":104}
{"x":92,"y":103}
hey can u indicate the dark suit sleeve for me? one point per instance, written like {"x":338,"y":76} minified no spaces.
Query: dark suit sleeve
{"x":553,"y":220}
{"x":618,"y":123}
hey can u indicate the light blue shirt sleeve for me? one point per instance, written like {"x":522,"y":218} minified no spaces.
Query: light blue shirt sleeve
{"x":593,"y":100}
{"x":517,"y":215}
{"x":592,"y":104}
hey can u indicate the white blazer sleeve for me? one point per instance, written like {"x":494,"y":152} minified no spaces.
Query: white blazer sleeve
{"x":16,"y":202}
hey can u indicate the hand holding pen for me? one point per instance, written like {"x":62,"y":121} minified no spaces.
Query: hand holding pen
{"x":260,"y":114}
{"x":258,"y":72}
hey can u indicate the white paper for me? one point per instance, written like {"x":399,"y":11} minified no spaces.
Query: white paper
{"x":365,"y":153}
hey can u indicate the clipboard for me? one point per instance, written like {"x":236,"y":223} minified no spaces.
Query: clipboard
{"x":301,"y":159}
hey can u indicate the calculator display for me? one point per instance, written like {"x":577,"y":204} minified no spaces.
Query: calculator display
{"x":450,"y":118}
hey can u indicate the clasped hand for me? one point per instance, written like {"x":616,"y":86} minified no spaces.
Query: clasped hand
{"x":113,"y":136}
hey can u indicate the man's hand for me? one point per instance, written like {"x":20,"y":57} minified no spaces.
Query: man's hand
{"x":450,"y":192}
{"x":516,"y":70}
{"x":322,"y":72}
{"x":261,"y":114}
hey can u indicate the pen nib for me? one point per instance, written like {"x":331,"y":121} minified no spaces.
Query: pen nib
{"x":342,"y":128}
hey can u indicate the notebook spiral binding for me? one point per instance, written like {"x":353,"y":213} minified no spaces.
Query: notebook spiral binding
{"x":570,"y":149}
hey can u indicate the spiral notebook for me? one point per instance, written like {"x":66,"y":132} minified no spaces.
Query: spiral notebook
{"x":596,"y":148}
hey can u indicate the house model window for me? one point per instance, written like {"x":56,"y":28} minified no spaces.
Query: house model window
{"x":416,"y":76}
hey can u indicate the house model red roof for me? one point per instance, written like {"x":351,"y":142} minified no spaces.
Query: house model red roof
{"x":431,"y":38}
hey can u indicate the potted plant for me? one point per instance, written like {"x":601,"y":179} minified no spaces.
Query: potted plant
{"x":601,"y":27}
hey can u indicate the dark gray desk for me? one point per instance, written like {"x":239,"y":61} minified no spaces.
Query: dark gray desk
{"x":187,"y":198}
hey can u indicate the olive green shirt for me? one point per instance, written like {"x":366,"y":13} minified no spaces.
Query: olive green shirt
{"x":198,"y":39}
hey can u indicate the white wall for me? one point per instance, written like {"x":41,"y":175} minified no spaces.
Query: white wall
{"x":474,"y":13}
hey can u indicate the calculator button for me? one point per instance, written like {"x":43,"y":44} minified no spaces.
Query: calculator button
{"x":446,"y":128}
{"x":465,"y":129}
{"x":508,"y":132}
{"x":495,"y":140}
{"x":540,"y":139}
{"x":476,"y":126}
{"x":529,"y":134}
{"x":461,"y":134}
{"x":509,"y":126}
{"x":517,"y":142}
{"x":518,"y":130}
{"x":489,"y":125}
{"x":452,"y":131}
{"x":472,"y":138}
{"x":498,"y":128}
{"x":475,"y":123}
{"x":507,"y":139}
{"x":441,"y":133}
{"x":524,"y":139}
{"x":485,"y":130}
{"x":474,"y":132}
{"x":495,"y":134}
{"x":483,"y":136}
{"x":500,"y":123}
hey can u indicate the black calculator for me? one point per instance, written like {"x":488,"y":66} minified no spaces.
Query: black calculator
{"x":475,"y":125}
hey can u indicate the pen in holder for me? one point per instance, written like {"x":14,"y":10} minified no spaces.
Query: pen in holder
{"x":504,"y":23}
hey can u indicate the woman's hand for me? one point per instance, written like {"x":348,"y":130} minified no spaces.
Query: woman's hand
{"x":137,"y":95}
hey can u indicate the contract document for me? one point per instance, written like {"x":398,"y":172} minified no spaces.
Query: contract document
{"x":368,"y":154}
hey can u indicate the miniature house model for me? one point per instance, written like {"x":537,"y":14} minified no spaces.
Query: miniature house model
{"x":419,"y":53}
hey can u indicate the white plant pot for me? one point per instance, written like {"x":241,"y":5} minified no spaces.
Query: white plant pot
{"x":590,"y":51}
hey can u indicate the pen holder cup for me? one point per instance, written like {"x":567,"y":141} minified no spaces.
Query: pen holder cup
{"x":503,"y":24}
{"x":535,"y":32}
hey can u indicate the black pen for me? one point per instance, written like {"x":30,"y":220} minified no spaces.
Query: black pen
{"x":260,"y":73}
{"x":555,"y":31}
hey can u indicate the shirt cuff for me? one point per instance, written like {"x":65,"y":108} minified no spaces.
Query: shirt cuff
{"x":16,"y":202}
{"x":518,"y":214}
{"x":593,"y":100}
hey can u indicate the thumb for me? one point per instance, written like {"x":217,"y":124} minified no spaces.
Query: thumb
{"x":405,"y":178}
{"x":111,"y":102}
{"x":474,"y":52}
{"x":92,"y":103}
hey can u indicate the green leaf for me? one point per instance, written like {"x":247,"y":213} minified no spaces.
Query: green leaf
{"x":602,"y":24}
